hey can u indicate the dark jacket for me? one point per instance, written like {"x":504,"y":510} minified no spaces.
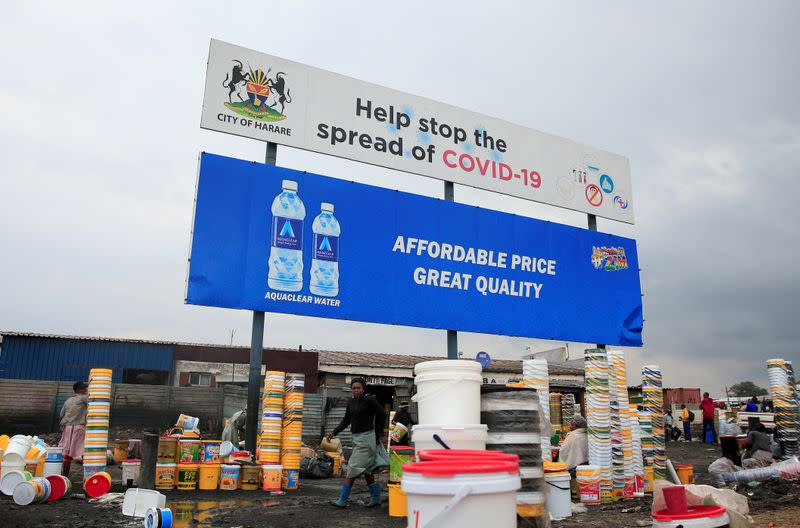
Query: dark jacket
{"x":362,"y":415}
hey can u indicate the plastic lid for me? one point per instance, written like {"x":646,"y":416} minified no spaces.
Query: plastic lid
{"x":456,"y":466}
{"x":97,"y":485}
{"x":289,"y":185}
{"x":695,"y":512}
{"x":327,"y":207}
{"x":58,"y":487}
{"x":477,"y":456}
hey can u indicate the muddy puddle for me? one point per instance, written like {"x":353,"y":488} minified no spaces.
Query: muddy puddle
{"x":202,"y":513}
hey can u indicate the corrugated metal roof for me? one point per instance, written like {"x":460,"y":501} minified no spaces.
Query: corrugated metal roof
{"x":362,"y":359}
{"x":326,"y":357}
{"x":57,"y":358}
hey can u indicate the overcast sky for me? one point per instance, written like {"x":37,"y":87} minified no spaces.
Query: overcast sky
{"x":99,"y":137}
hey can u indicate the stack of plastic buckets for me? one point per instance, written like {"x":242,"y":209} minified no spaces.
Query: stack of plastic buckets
{"x":648,"y":448}
{"x":783,"y":397}
{"x":624,"y":449}
{"x":567,"y":410}
{"x":653,"y":394}
{"x":555,"y":415}
{"x":97,"y":417}
{"x":448,"y":405}
{"x":638,"y":457}
{"x":512,"y":417}
{"x":468,"y":489}
{"x":535,"y":375}
{"x":617,"y":454}
{"x":292,"y":437}
{"x":598,"y":417}
{"x":269,"y":448}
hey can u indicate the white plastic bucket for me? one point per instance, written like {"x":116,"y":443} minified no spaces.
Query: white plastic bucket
{"x":130,"y":472}
{"x":465,"y":495}
{"x":558,"y":495}
{"x":702,"y":522}
{"x":454,"y":436}
{"x":17,"y":448}
{"x":138,"y":501}
{"x":448,"y":392}
{"x":52,"y":468}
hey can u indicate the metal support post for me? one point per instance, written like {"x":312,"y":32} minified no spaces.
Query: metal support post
{"x":593,"y":227}
{"x":256,"y":351}
{"x":452,"y":335}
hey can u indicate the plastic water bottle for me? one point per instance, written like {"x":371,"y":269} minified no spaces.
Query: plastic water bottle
{"x":325,"y":259}
{"x":286,"y":240}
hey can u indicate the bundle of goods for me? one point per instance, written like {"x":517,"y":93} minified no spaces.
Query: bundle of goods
{"x":513,"y":417}
{"x":535,"y":376}
{"x":567,"y":411}
{"x":638,"y":459}
{"x":449,"y":405}
{"x":598,"y":418}
{"x":556,"y":418}
{"x":654,"y":404}
{"x":269,"y":449}
{"x":618,"y":376}
{"x":436,"y":484}
{"x":785,"y":403}
{"x":292,"y":437}
{"x":97,"y":417}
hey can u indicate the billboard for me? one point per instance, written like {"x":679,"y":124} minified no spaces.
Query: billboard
{"x":268,"y":98}
{"x":272,"y":239}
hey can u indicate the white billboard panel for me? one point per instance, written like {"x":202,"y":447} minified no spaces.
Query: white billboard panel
{"x":268,"y":98}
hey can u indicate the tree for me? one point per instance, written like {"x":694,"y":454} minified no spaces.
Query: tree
{"x":747,"y":389}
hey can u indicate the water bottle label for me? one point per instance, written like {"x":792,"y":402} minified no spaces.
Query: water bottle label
{"x":287,"y":233}
{"x":326,"y":247}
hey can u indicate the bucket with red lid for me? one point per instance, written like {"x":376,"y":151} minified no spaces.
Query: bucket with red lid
{"x":468,"y":489}
{"x":679,"y":514}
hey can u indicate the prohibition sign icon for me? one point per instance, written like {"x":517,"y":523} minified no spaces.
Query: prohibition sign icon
{"x":594,"y":195}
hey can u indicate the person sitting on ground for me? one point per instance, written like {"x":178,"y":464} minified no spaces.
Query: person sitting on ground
{"x":73,"y":423}
{"x":758,"y":448}
{"x":366,"y":419}
{"x":575,"y":449}
{"x":752,"y":405}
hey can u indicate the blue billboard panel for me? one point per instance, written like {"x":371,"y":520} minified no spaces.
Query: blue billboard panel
{"x":278,"y":240}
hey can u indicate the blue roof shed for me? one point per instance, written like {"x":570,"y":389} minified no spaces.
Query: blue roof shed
{"x":67,"y":358}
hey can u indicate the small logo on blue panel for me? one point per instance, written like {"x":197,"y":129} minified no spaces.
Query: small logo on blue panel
{"x":287,"y":230}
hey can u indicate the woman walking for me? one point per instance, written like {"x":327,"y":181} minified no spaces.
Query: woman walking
{"x":366,"y":419}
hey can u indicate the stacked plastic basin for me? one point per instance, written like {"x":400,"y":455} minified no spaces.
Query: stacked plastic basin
{"x":783,"y":398}
{"x":567,"y":410}
{"x":621,"y":442}
{"x":598,"y":418}
{"x":617,"y":358}
{"x":638,"y":457}
{"x":269,"y":448}
{"x":555,"y":414}
{"x":653,"y":393}
{"x":512,"y":417}
{"x":535,"y":375}
{"x":97,"y":417}
{"x":292,"y":437}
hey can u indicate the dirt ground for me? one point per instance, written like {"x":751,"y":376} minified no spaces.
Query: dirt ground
{"x":773,"y":505}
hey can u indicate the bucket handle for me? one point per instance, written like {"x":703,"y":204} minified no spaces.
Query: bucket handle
{"x":556,"y":486}
{"x":442,"y":388}
{"x":440,"y":441}
{"x":460,"y":495}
